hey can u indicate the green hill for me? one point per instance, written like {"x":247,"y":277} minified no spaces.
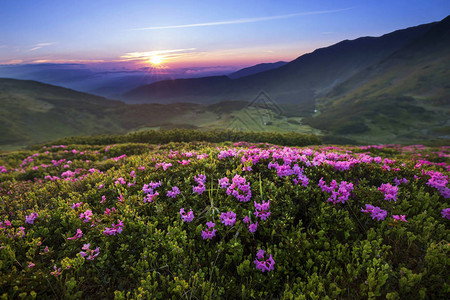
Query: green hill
{"x":33,"y":112}
{"x":402,"y":97}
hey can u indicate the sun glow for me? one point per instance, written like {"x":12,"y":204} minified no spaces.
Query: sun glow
{"x":156,"y":60}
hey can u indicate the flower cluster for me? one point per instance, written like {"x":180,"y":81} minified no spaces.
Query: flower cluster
{"x":264,"y":264}
{"x":174,"y":192}
{"x":375,"y":212}
{"x":446,"y":213}
{"x":208,"y":233}
{"x":228,"y":218}
{"x":252,"y":227}
{"x":224,"y":183}
{"x":439,"y":181}
{"x":342,"y":194}
{"x":262,"y":209}
{"x":164,"y":165}
{"x":86,"y":216}
{"x":30,"y":219}
{"x":186,"y":217}
{"x":400,"y":181}
{"x":149,"y":190}
{"x":401,"y":218}
{"x":240,"y":189}
{"x":91,"y":254}
{"x":76,"y":205}
{"x":78,"y":235}
{"x":184,"y":162}
{"x":389,"y":191}
{"x":201,"y":180}
{"x":115,"y":228}
{"x":325,"y":188}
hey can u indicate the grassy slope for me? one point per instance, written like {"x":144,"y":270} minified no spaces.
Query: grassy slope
{"x":402,"y":98}
{"x":32,"y":112}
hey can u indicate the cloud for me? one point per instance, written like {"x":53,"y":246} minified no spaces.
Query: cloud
{"x":242,"y":21}
{"x":11,"y":62}
{"x":39,"y":46}
{"x":163,"y":53}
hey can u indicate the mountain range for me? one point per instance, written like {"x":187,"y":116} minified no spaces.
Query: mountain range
{"x":300,"y":81}
{"x":388,"y":89}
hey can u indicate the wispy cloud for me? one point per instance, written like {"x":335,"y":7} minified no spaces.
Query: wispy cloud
{"x":39,"y":46}
{"x":163,"y":53}
{"x":246,"y":20}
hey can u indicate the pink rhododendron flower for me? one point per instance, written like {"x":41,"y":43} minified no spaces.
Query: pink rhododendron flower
{"x":208,"y":233}
{"x":401,"y":218}
{"x":224,"y":183}
{"x":264,"y":265}
{"x":240,"y":189}
{"x":164,"y":165}
{"x":109,"y":211}
{"x":253,"y":227}
{"x":78,"y":235}
{"x":86,"y":216}
{"x":446,"y":213}
{"x":228,"y":218}
{"x":389,"y":191}
{"x":89,"y":254}
{"x":201,"y":178}
{"x":114,"y":229}
{"x":186,"y":217}
{"x":262,"y":210}
{"x":375,"y":212}
{"x":30,"y":219}
{"x":174,"y":192}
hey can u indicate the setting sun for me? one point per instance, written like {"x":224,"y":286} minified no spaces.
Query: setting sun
{"x":156,"y":60}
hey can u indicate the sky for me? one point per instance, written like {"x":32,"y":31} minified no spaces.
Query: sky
{"x":198,"y":33}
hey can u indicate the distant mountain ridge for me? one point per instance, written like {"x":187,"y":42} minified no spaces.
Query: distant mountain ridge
{"x":406,"y":94}
{"x":300,"y":81}
{"x":256,"y":69}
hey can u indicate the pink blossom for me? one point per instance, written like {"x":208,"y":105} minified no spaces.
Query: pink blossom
{"x":262,"y":210}
{"x":224,"y":182}
{"x":264,"y":265}
{"x":401,"y":218}
{"x":228,"y":218}
{"x":114,"y":229}
{"x":174,"y":192}
{"x":389,"y":191}
{"x":375,"y":212}
{"x":187,"y":217}
{"x":78,"y":235}
{"x":446,"y":213}
{"x":86,"y":216}
{"x":208,"y":233}
{"x":91,"y":254}
{"x":30,"y":219}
